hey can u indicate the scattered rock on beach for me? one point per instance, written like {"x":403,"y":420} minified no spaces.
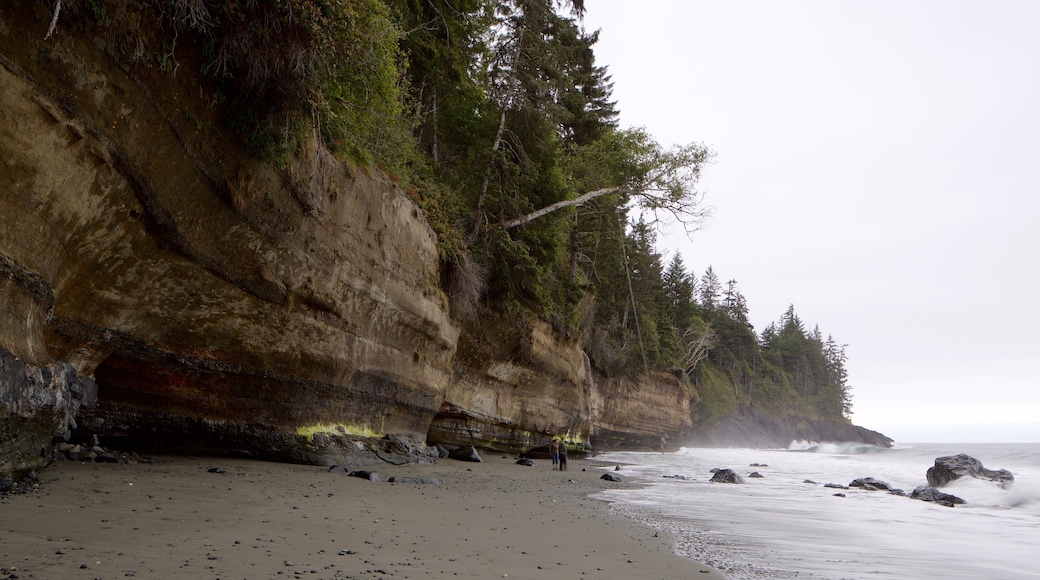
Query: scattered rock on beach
{"x":337,"y":469}
{"x":726,"y":476}
{"x":369,"y":475}
{"x":755,"y":474}
{"x":930,"y":494}
{"x":953,"y":467}
{"x":870,"y":484}
{"x":419,"y":480}
{"x":466,"y":453}
{"x":834,"y":485}
{"x":525,"y":462}
{"x":610,"y":477}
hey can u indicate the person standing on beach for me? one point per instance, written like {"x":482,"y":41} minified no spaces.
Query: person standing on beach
{"x":563,"y":457}
{"x":554,"y":451}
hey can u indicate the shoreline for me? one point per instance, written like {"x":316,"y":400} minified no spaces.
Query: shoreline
{"x":176,"y":519}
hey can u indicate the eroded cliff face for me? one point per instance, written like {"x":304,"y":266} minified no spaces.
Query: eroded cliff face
{"x":141,"y":246}
{"x":650,"y":413}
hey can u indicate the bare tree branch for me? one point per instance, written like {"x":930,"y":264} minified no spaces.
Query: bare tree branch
{"x":581,"y":199}
{"x":54,"y":19}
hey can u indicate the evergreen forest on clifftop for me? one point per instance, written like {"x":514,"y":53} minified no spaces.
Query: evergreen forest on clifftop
{"x":495,"y":117}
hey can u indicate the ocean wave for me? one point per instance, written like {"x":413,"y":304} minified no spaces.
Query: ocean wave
{"x":847,"y":448}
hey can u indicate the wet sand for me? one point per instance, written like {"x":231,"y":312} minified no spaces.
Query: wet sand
{"x":176,"y":519}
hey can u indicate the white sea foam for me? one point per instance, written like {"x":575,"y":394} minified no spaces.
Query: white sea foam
{"x":779,"y":526}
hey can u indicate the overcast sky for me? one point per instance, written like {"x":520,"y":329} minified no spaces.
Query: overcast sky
{"x":879,"y":168}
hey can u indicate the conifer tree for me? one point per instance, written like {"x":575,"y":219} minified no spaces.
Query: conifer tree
{"x":710,"y":289}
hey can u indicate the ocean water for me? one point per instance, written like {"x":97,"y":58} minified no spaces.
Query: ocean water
{"x":781,"y":527}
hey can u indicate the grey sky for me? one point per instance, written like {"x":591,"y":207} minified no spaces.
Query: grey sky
{"x":878,"y":167}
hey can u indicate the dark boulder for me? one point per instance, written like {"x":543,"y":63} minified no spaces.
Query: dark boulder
{"x":525,"y":462}
{"x":870,"y":484}
{"x":337,"y":469}
{"x":930,"y":494}
{"x":466,"y":453}
{"x":369,"y":475}
{"x":834,"y":485}
{"x":726,"y":476}
{"x":953,"y":467}
{"x":610,"y":477}
{"x":419,"y":480}
{"x":755,"y":474}
{"x":397,"y":450}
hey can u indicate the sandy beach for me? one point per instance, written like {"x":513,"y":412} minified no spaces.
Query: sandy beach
{"x":250,"y":519}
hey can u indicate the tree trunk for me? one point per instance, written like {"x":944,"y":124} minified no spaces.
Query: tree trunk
{"x":558,"y":205}
{"x":487,"y":179}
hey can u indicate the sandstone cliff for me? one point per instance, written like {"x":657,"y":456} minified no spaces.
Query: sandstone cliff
{"x":160,"y":285}
{"x":204,"y":291}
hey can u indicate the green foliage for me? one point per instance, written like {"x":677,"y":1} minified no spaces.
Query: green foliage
{"x":717,"y":395}
{"x":100,"y":13}
{"x":290,"y":66}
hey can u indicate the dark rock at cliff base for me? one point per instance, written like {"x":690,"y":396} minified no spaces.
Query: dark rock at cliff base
{"x":369,"y":475}
{"x":38,"y":402}
{"x":466,"y":453}
{"x":726,"y":476}
{"x":525,"y":462}
{"x":930,"y":494}
{"x":14,"y":485}
{"x":953,"y":467}
{"x":397,"y":450}
{"x":417,"y":480}
{"x":610,"y":477}
{"x":870,"y":484}
{"x":337,"y":469}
